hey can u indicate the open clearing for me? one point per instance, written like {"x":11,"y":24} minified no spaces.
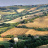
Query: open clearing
{"x":21,"y":31}
{"x":41,"y":22}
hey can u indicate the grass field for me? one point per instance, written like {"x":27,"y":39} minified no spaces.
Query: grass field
{"x":5,"y":43}
{"x":2,"y":29}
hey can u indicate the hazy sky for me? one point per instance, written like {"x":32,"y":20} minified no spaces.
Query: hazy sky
{"x":22,"y":2}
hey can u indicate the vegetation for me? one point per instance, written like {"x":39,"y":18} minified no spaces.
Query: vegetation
{"x":8,"y":36}
{"x":4,"y":44}
{"x":28,"y":41}
{"x":38,"y":29}
{"x":6,"y":27}
{"x":12,"y":13}
{"x":31,"y":42}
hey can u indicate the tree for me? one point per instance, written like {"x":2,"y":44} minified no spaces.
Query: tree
{"x":11,"y":41}
{"x":21,"y":18}
{"x":24,"y":21}
{"x":2,"y":46}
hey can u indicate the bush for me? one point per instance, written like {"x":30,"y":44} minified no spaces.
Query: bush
{"x":11,"y":41}
{"x":24,"y":21}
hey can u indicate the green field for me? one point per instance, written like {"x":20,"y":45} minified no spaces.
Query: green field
{"x":5,"y":43}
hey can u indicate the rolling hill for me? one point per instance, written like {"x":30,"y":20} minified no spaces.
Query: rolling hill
{"x":13,"y":14}
{"x":9,"y":13}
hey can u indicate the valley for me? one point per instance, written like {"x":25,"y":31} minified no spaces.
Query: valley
{"x":28,"y":24}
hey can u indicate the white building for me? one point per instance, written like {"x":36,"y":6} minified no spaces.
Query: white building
{"x":16,"y":40}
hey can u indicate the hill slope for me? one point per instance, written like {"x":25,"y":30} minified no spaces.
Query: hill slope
{"x":41,"y":22}
{"x":21,"y":31}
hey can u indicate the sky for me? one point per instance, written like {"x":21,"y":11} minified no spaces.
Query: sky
{"x":22,"y":2}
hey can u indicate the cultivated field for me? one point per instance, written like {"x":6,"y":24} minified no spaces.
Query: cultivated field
{"x":5,"y":39}
{"x":32,"y":9}
{"x":21,"y":31}
{"x":20,"y":10}
{"x":16,"y":20}
{"x":23,"y":17}
{"x":41,"y":22}
{"x":15,"y":31}
{"x":5,"y":13}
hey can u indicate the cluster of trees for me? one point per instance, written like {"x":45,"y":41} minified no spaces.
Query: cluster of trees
{"x":28,"y":41}
{"x":5,"y":30}
{"x":24,"y":21}
{"x":5,"y":25}
{"x":9,"y":26}
{"x":9,"y":36}
{"x":3,"y":8}
{"x":44,"y":13}
{"x":42,"y":29}
{"x":39,"y":29}
{"x":12,"y":16}
{"x":23,"y":26}
{"x":35,"y":16}
{"x":32,"y":42}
